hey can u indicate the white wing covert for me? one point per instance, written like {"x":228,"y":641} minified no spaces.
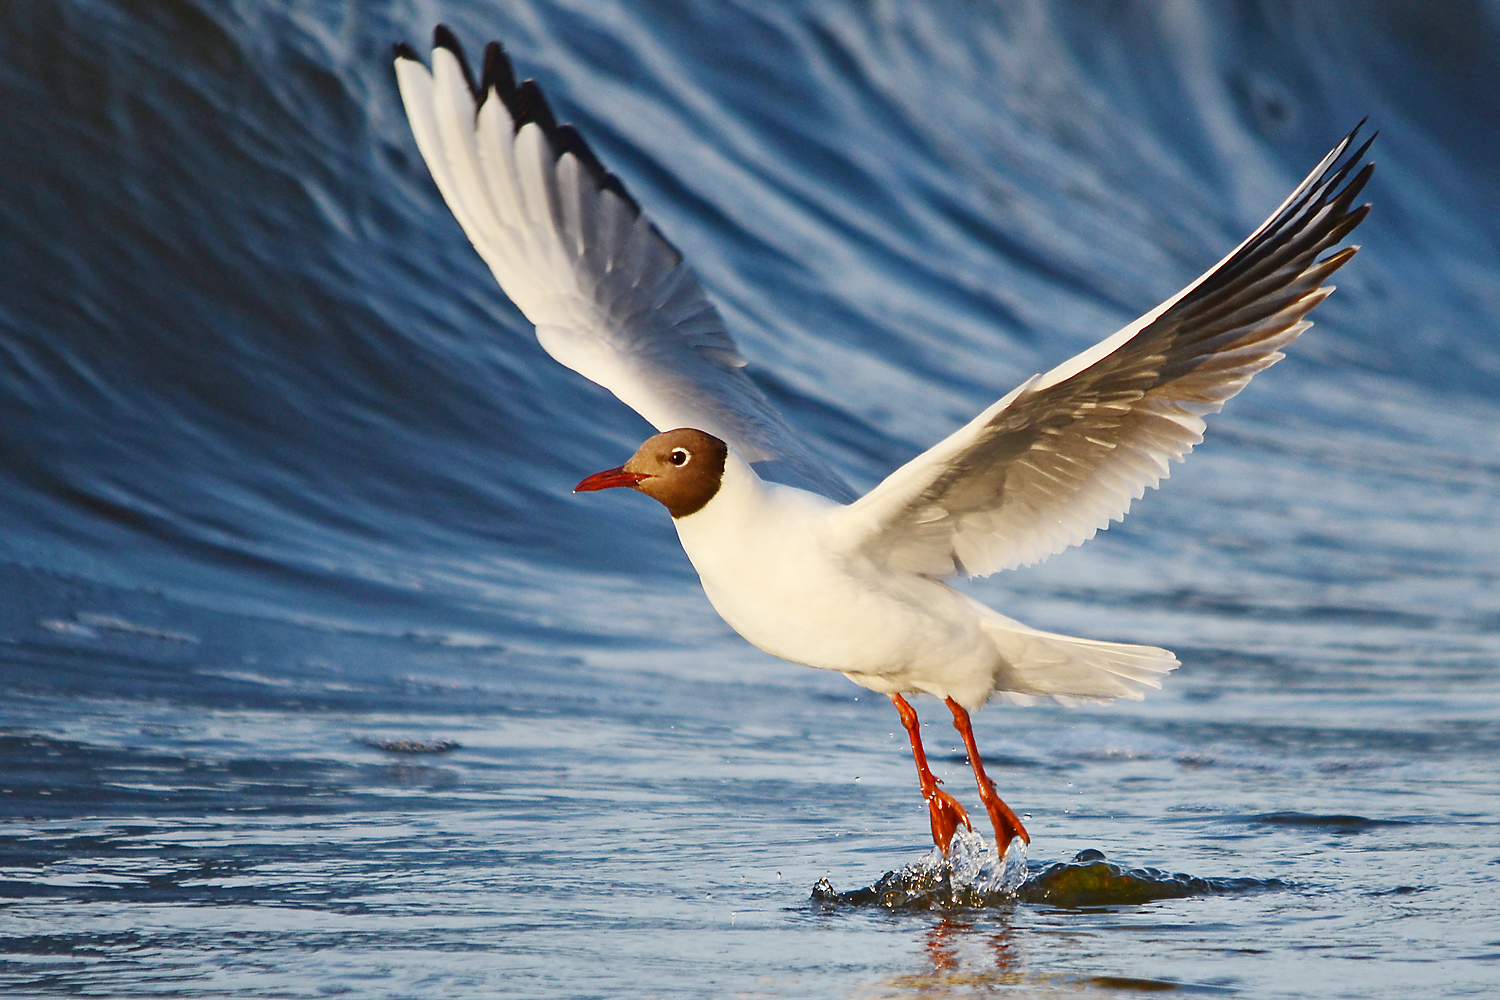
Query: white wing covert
{"x":611,"y":298}
{"x":1067,"y":452}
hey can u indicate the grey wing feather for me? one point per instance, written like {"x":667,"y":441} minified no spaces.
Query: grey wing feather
{"x":1067,"y":452}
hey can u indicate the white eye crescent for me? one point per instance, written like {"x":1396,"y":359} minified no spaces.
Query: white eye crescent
{"x":680,"y":457}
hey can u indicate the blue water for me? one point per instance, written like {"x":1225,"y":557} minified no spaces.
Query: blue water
{"x":317,"y":680}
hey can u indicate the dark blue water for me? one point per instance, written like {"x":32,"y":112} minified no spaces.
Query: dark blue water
{"x":317,"y":680}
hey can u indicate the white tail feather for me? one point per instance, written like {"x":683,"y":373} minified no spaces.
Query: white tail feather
{"x":1044,"y":665}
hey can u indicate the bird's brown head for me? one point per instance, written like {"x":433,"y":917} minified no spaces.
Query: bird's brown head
{"x":681,"y":469}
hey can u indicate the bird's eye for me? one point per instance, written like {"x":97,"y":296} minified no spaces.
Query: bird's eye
{"x":679,"y":457}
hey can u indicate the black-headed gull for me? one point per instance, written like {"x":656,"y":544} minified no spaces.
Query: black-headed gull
{"x":790,"y":557}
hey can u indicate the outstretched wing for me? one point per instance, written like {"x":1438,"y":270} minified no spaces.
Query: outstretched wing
{"x":1066,"y":452}
{"x":610,"y":297}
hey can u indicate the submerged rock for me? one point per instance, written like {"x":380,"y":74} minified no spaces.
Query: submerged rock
{"x":1090,"y":880}
{"x":974,"y":877}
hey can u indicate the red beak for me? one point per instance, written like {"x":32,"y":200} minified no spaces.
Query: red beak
{"x":609,"y":479}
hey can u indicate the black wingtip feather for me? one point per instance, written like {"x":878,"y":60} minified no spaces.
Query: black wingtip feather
{"x":401,"y":50}
{"x":526,"y":104}
{"x":531,"y":106}
{"x":1354,"y":187}
{"x":1348,"y":139}
{"x":567,"y":139}
{"x":1328,"y":184}
{"x":1329,"y":188}
{"x":498,"y":74}
{"x":1359,"y":154}
{"x":1320,"y":217}
{"x":443,"y":38}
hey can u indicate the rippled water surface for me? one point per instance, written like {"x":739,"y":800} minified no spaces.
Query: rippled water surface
{"x":317,"y":681}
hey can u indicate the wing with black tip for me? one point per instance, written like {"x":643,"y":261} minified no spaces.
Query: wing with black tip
{"x":610,"y":297}
{"x":1067,"y":452}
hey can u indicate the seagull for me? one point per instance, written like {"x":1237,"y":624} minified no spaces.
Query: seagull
{"x":793,"y":559}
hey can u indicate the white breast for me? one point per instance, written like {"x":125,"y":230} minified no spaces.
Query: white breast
{"x":773,"y":570}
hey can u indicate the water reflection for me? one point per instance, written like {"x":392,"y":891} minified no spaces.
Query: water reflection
{"x":986,"y":946}
{"x":965,"y":954}
{"x":940,"y":946}
{"x":976,"y":955}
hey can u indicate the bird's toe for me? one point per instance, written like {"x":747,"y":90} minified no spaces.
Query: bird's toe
{"x":947,"y":814}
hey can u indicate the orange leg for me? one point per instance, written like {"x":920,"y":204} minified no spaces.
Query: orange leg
{"x":1007,"y":824}
{"x":944,"y":809}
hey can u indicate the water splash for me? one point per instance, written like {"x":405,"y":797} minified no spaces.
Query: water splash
{"x":973,"y":876}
